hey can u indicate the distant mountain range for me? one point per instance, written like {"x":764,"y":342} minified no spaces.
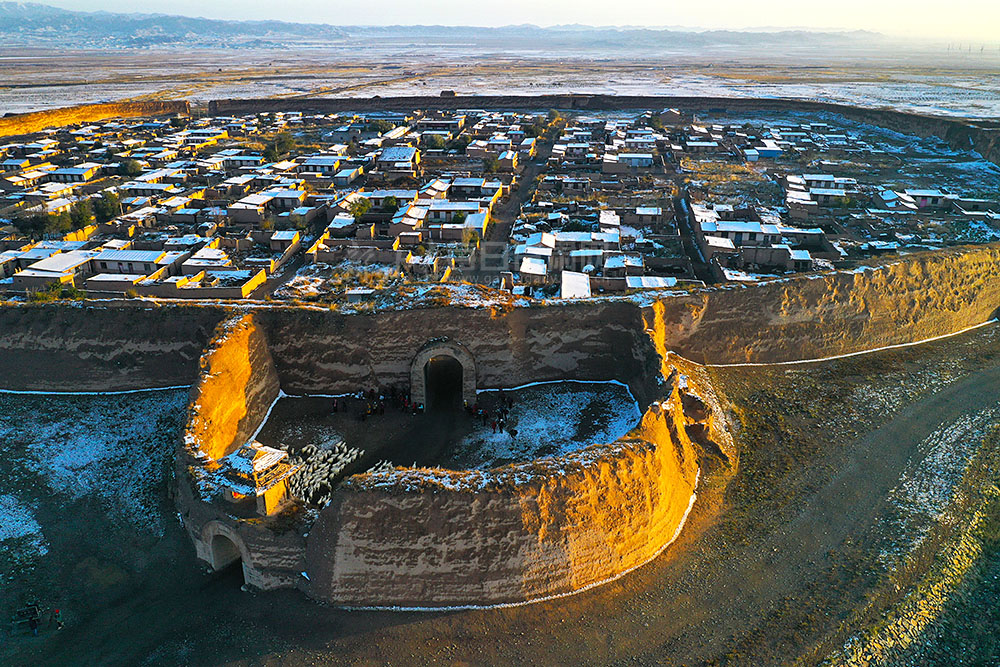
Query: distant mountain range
{"x":32,"y":24}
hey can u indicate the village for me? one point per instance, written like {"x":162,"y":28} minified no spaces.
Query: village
{"x":346,"y":208}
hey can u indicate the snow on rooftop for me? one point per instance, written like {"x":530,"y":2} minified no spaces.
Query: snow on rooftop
{"x":574,"y":285}
{"x":650,"y":282}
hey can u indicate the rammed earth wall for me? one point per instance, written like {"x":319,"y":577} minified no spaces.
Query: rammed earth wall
{"x":27,"y":123}
{"x":515,"y":534}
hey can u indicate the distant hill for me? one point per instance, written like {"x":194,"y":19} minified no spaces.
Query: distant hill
{"x":27,"y":23}
{"x":32,"y":24}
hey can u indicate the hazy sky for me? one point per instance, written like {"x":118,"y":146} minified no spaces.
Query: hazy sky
{"x":948,"y":20}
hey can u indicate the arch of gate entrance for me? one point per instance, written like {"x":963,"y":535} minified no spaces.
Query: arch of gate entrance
{"x":442,"y":375}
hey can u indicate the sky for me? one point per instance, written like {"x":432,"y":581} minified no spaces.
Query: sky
{"x":956,"y":20}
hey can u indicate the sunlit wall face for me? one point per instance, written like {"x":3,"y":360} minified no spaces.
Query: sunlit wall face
{"x":926,"y":19}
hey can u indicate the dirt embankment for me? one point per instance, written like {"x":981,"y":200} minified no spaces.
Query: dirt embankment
{"x":59,"y":347}
{"x":87,"y":113}
{"x":906,"y":300}
{"x":961,"y":134}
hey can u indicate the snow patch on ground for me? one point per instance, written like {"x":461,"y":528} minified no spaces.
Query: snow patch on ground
{"x":926,"y":491}
{"x":552,"y":419}
{"x":113,"y":447}
{"x":19,"y":527}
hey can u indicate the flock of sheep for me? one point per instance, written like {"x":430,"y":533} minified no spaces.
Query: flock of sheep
{"x":322,"y":468}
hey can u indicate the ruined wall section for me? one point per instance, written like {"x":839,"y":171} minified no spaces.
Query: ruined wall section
{"x":236,"y":388}
{"x":903,"y":301}
{"x":89,"y":347}
{"x":87,"y":113}
{"x":524,"y":532}
{"x":326,"y":352}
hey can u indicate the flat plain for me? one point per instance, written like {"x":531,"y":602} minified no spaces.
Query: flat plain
{"x":949,"y":83}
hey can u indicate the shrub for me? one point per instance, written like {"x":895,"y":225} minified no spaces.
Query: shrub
{"x":130,"y":168}
{"x":435,"y":141}
{"x":359,"y":207}
{"x":56,"y":292}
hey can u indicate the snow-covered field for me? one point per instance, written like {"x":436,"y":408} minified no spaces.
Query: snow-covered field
{"x":551,"y":419}
{"x":17,"y":522}
{"x":927,"y":489}
{"x":106,"y":451}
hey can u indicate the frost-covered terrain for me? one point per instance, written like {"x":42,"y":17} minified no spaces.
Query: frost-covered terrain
{"x":926,"y":491}
{"x":82,"y":453}
{"x":21,"y":538}
{"x":549,"y":419}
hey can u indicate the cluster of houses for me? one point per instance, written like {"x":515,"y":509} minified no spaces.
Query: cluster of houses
{"x":151,"y":264}
{"x":424,"y":230}
{"x":611,"y":247}
{"x":206,"y":206}
{"x":742,"y":242}
{"x":222,"y":206}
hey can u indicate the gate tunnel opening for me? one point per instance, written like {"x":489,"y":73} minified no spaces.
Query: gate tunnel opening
{"x":227,"y":559}
{"x":443,"y":379}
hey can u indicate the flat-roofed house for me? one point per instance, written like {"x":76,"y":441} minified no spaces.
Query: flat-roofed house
{"x":258,"y":472}
{"x":321,"y":164}
{"x":136,"y":262}
{"x":533,"y":270}
{"x":63,"y":268}
{"x":401,"y":160}
{"x":928,"y":198}
{"x":78,"y":174}
{"x":444,"y":210}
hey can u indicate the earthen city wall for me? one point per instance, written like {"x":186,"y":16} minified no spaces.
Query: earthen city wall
{"x":520,"y":533}
{"x":26,"y":123}
{"x":961,"y":134}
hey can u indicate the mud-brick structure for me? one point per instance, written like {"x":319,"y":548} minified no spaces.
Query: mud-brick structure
{"x":424,"y":538}
{"x":435,"y":538}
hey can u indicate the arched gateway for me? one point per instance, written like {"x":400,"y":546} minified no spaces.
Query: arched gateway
{"x":442,"y":375}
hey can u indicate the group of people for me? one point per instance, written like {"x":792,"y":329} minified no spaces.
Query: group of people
{"x":498,"y":418}
{"x":374,"y":402}
{"x":31,"y":615}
